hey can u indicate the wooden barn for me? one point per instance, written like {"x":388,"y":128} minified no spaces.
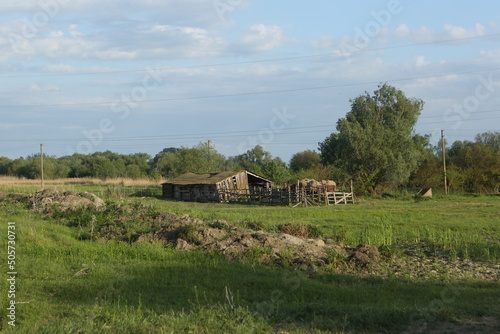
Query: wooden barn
{"x":216,"y":187}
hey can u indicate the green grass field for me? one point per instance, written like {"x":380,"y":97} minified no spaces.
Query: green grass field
{"x":66,"y":285}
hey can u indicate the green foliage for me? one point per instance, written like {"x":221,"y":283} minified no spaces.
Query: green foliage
{"x":201,"y":158}
{"x":304,"y":160}
{"x":186,"y":232}
{"x":4,"y":165}
{"x":476,"y":166}
{"x":255,"y":254}
{"x":376,"y":142}
{"x":276,"y":171}
{"x":429,"y":174}
{"x":252,"y":160}
{"x":471,"y":166}
{"x":261,"y":162}
{"x":334,"y":257}
{"x":491,"y":139}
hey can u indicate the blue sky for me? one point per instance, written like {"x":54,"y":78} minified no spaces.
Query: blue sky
{"x":139,"y":76}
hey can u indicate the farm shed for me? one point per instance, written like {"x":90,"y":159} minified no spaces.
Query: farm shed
{"x":215,"y":187}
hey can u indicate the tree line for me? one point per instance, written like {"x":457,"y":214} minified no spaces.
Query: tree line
{"x":374,"y":144}
{"x":168,"y":163}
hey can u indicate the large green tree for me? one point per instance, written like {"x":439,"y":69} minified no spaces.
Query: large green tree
{"x":376,"y":141}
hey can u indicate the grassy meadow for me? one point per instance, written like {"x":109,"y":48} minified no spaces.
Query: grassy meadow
{"x":67,"y":285}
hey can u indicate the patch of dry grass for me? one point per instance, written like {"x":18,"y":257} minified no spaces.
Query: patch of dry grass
{"x":12,"y":180}
{"x":23,"y":185}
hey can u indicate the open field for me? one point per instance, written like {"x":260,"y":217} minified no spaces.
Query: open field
{"x":67,"y":285}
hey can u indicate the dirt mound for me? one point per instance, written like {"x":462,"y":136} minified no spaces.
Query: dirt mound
{"x":43,"y":201}
{"x":365,"y":255}
{"x":271,"y":247}
{"x":188,"y":233}
{"x":302,"y":231}
{"x":289,"y":251}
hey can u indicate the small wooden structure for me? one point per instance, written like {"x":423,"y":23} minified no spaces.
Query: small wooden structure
{"x":425,"y":192}
{"x":216,"y":187}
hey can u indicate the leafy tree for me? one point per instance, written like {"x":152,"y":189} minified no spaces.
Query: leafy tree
{"x":197,"y":159}
{"x":276,"y":170}
{"x":134,"y":172}
{"x":4,"y":165}
{"x":429,"y":174}
{"x":252,"y":160}
{"x":479,"y":166}
{"x":375,"y":142}
{"x":491,"y":138}
{"x":259,"y":161}
{"x":79,"y":165}
{"x":102,"y":167}
{"x":163,"y":163}
{"x":19,"y":168}
{"x":137,"y":165}
{"x":308,"y":159}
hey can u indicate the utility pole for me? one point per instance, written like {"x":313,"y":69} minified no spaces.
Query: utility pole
{"x":41,"y":164}
{"x":444,"y":162}
{"x":208,"y":157}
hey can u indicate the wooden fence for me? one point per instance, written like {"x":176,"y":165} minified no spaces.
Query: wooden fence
{"x":287,"y":196}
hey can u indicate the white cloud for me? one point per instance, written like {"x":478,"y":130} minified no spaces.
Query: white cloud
{"x":401,"y":31}
{"x":123,"y":43}
{"x":262,"y":38}
{"x":324,"y":43}
{"x":61,"y":68}
{"x":44,"y":88}
{"x":420,"y":61}
{"x":182,"y":41}
{"x":423,"y":35}
{"x":115,"y":54}
{"x":494,"y":54}
{"x":457,"y":32}
{"x":450,"y":32}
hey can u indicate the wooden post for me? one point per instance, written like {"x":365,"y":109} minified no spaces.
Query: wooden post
{"x":208,"y":158}
{"x":352,"y":192}
{"x":444,"y":162}
{"x":41,"y":165}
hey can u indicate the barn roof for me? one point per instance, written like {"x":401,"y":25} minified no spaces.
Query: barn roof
{"x":212,"y":178}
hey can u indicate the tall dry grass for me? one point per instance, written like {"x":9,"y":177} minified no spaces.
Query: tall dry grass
{"x":12,"y":184}
{"x":12,"y":180}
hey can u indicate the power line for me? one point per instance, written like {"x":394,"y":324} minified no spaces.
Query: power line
{"x":180,"y":138}
{"x":475,"y":112}
{"x":250,"y":93}
{"x":463,"y":120}
{"x":228,"y":134}
{"x":329,"y":54}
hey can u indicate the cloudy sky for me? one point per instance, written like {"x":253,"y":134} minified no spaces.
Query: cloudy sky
{"x":141,"y":75}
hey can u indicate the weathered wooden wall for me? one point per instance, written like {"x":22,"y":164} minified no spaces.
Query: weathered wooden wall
{"x":196,"y":193}
{"x":168,"y":190}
